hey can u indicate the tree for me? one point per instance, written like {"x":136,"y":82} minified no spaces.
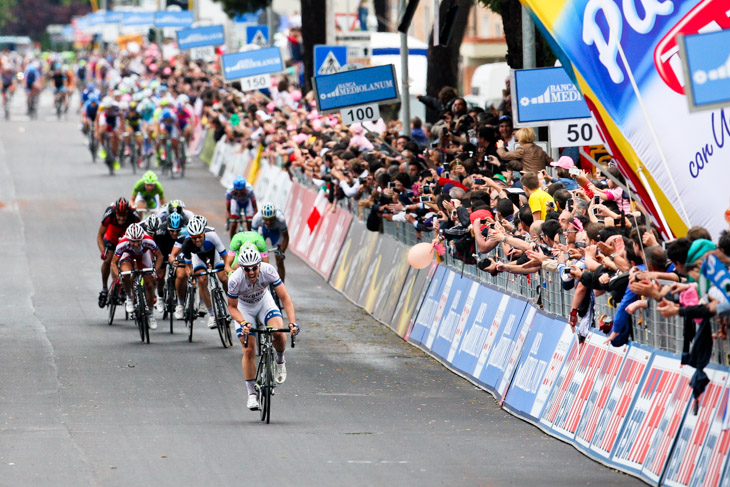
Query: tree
{"x":31,"y":17}
{"x":236,"y":7}
{"x":511,"y":12}
{"x":382,"y":13}
{"x":443,"y":61}
{"x":314,"y":31}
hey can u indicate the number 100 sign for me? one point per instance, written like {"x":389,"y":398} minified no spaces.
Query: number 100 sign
{"x":361,"y":113}
{"x":258,"y":82}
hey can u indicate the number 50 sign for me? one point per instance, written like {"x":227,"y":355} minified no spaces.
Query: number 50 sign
{"x":574,"y":133}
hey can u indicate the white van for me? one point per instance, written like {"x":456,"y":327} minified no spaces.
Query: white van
{"x":487,"y":84}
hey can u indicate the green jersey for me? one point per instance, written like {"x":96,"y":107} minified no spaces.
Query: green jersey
{"x":244,"y":237}
{"x":139,"y":188}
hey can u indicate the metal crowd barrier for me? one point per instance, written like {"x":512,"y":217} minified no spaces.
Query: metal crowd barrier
{"x":650,"y":328}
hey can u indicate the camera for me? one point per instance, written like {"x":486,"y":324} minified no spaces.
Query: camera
{"x":391,"y":185}
{"x":362,"y":180}
{"x":596,"y":200}
{"x":574,"y":171}
{"x":426,"y":189}
{"x":424,"y":199}
{"x":484,"y":263}
{"x":478,"y":181}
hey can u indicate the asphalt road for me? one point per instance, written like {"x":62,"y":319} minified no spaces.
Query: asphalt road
{"x":82,"y":403}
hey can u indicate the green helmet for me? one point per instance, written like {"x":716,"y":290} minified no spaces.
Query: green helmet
{"x":149,"y":177}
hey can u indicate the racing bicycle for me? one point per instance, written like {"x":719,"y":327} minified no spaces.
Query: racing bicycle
{"x":116,"y":298}
{"x":139,"y":298}
{"x":220,"y":309}
{"x":265,"y":381}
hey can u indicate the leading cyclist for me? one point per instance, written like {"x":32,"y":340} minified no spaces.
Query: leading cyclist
{"x":249,"y":301}
{"x":146,"y":192}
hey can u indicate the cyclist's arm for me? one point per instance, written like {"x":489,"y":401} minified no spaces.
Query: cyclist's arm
{"x":158,"y":261}
{"x":233,"y":310}
{"x":100,"y":237}
{"x":284,"y":241}
{"x":115,"y":267}
{"x":286,"y":302}
{"x":161,"y":192}
{"x":173,"y":253}
{"x":228,"y":261}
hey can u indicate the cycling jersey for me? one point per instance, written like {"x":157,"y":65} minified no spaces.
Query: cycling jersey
{"x":245,"y":237}
{"x":212,"y":250}
{"x":134,"y":119}
{"x":7,"y":80}
{"x":183,"y":117}
{"x":125,"y":247}
{"x":114,"y":230}
{"x":165,"y":242}
{"x":91,"y":110}
{"x":139,"y":188}
{"x":248,"y":293}
{"x":59,"y":80}
{"x":31,"y":75}
{"x":273,"y":232}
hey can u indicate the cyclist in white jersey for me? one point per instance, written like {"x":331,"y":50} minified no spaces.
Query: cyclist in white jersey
{"x":249,"y":301}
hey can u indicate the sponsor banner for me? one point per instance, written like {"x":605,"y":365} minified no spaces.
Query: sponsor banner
{"x":427,"y":312}
{"x":383,"y":255}
{"x":686,"y":456}
{"x":208,"y":149}
{"x":457,"y":299}
{"x":706,"y":59}
{"x":298,"y":208}
{"x":359,"y":87}
{"x":383,"y":291}
{"x":715,"y":450}
{"x":510,"y":365}
{"x":626,"y":61}
{"x":138,"y":19}
{"x":651,"y":401}
{"x":357,"y":251}
{"x":513,"y":327}
{"x":251,"y":63}
{"x":327,"y":242}
{"x":668,"y":428}
{"x":201,"y":37}
{"x":411,"y":296}
{"x":113,"y":17}
{"x":273,"y":184}
{"x":577,"y":391}
{"x":546,"y":94}
{"x":612,"y":415}
{"x":459,"y":334}
{"x":219,"y":157}
{"x":548,"y":344}
{"x":166,"y":18}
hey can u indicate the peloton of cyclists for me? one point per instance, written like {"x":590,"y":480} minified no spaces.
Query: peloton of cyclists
{"x":117,"y":217}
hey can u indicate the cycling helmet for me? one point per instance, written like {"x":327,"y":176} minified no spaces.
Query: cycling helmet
{"x":166,"y":115}
{"x":91,"y":87}
{"x":150,"y":177}
{"x":239,"y":183}
{"x":174,"y":222}
{"x":183,"y":99}
{"x":123,"y":105}
{"x":153,"y":223}
{"x":164,"y":102}
{"x":134,"y":232}
{"x":132,"y":105}
{"x":197,"y":224}
{"x":249,"y":255}
{"x":121,"y":205}
{"x":93,"y":98}
{"x":268,"y":210}
{"x":107,"y":101}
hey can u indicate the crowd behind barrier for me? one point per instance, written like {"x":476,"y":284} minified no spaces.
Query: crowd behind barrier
{"x":629,"y":407}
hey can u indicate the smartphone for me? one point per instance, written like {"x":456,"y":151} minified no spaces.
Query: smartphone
{"x":478,"y":181}
{"x":596,"y":200}
{"x":445,"y":174}
{"x":425,"y":198}
{"x":574,"y":171}
{"x":362,"y":180}
{"x":391,"y":185}
{"x":570,"y":204}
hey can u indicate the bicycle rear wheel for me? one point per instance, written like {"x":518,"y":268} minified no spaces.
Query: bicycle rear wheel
{"x":220,"y":318}
{"x":190,"y":311}
{"x":112,"y":303}
{"x":139,"y":312}
{"x":269,"y":383}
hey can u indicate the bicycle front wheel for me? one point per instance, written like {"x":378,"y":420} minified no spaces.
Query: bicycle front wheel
{"x":220,"y":317}
{"x":190,"y":311}
{"x":139,"y":311}
{"x":112,"y":304}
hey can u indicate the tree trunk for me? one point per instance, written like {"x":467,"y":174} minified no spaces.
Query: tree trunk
{"x":381,"y":13}
{"x":511,"y":11}
{"x":314,"y":31}
{"x":443,"y":61}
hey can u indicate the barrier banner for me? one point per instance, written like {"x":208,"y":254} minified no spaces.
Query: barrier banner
{"x":451,"y":307}
{"x":464,"y":319}
{"x":714,"y":452}
{"x":199,"y":135}
{"x":296,"y":211}
{"x":611,"y":416}
{"x":395,"y":280}
{"x":273,"y":185}
{"x":427,"y":313}
{"x":663,"y":438}
{"x":413,"y":294}
{"x":447,"y":297}
{"x":578,"y":389}
{"x":220,"y":157}
{"x":663,"y":374}
{"x":513,"y":328}
{"x":355,"y":257}
{"x":513,"y":358}
{"x":328,"y":238}
{"x":547,"y":346}
{"x":379,"y":268}
{"x":686,"y":454}
{"x":208,"y":148}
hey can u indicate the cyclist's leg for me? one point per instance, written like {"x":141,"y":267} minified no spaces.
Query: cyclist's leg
{"x":181,"y":280}
{"x":248,"y":364}
{"x":106,"y":263}
{"x":150,"y":280}
{"x":235,"y":212}
{"x":125,"y":264}
{"x":270,"y":316}
{"x":274,"y":237}
{"x":219,"y":264}
{"x":199,"y":265}
{"x":280,"y":267}
{"x":140,"y":202}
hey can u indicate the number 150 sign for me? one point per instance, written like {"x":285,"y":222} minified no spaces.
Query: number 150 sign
{"x":574,"y":133}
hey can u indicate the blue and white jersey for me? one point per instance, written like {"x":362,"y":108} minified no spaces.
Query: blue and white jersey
{"x":247,"y":292}
{"x":243,"y":197}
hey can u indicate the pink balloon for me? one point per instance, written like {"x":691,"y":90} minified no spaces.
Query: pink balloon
{"x":296,"y":95}
{"x":420,"y":255}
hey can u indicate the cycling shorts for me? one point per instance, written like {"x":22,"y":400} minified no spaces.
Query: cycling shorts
{"x":138,"y":261}
{"x":246,"y":211}
{"x":62,"y":89}
{"x":272,"y":235}
{"x":202,"y":262}
{"x":171,"y":129}
{"x":151,"y":201}
{"x":137,"y":129}
{"x":260,"y":312}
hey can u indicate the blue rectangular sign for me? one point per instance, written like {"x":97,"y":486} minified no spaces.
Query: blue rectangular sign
{"x":248,"y":18}
{"x":359,"y":87}
{"x":95,"y":18}
{"x":329,"y":59}
{"x":257,"y":34}
{"x":200,"y":37}
{"x":252,"y":63}
{"x":166,"y":18}
{"x":707,"y":58}
{"x":113,"y":17}
{"x":140,"y":19}
{"x":545,"y":94}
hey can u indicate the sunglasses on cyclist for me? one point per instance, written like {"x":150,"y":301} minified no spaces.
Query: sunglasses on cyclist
{"x":197,"y":237}
{"x":253,"y":268}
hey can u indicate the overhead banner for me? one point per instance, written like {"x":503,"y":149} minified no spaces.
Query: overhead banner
{"x":166,"y":18}
{"x":625,"y":59}
{"x":252,"y":63}
{"x":354,"y":88}
{"x":201,"y":37}
{"x":138,"y":19}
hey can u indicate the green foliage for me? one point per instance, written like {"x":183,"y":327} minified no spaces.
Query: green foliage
{"x":493,"y":5}
{"x":235,"y":7}
{"x":6,"y":12}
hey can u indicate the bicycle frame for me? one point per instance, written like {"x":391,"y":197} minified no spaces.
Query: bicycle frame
{"x":141,"y":308}
{"x":220,"y":309}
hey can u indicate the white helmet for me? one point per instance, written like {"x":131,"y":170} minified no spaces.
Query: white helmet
{"x":196,"y":225}
{"x":123,"y":105}
{"x":183,"y":99}
{"x":153,"y":223}
{"x":107,"y":101}
{"x":268,"y":210}
{"x":134,"y":232}
{"x":249,"y":255}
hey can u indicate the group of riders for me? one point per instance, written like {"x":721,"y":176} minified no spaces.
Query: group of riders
{"x":148,"y":232}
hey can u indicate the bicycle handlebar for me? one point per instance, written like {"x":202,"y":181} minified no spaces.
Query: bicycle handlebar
{"x":269,"y":331}
{"x":137,"y":271}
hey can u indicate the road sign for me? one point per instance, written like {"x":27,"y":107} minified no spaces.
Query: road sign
{"x":353,"y":88}
{"x":252,"y":63}
{"x":362,"y":113}
{"x":200,"y":37}
{"x":706,"y":61}
{"x":258,"y":35}
{"x":545,"y":94}
{"x":574,"y":133}
{"x":329,"y":59}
